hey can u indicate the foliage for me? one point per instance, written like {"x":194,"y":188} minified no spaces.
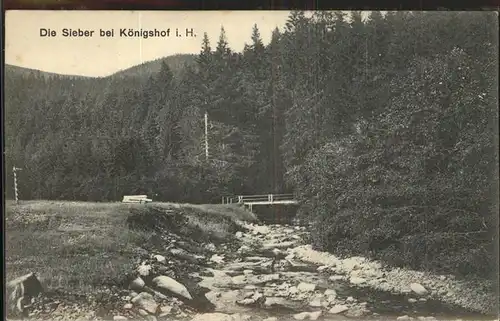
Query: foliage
{"x":383,"y":126}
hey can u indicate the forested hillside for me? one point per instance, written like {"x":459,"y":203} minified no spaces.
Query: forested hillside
{"x":384,"y":128}
{"x":176,"y":64}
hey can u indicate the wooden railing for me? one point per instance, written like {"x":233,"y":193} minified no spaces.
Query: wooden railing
{"x":270,"y":198}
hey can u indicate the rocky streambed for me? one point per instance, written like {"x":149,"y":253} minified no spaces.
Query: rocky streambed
{"x":275,"y":277}
{"x":267,"y":273}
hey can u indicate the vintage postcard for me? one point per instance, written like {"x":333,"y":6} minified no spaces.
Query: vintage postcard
{"x":251,"y":165}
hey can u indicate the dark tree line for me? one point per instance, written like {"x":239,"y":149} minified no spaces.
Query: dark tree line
{"x":384,"y":127}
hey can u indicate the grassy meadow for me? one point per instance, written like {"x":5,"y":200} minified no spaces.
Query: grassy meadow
{"x":80,"y":246}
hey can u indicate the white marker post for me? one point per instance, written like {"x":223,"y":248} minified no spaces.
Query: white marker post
{"x":15,"y":169}
{"x":206,"y":135}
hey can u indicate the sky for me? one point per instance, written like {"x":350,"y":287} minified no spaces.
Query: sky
{"x":102,"y":56}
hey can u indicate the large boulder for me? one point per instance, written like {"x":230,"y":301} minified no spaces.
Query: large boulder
{"x":307,"y":315}
{"x":146,"y":302}
{"x":21,"y":290}
{"x":338,"y":309}
{"x":221,"y":317}
{"x":137,"y":284}
{"x":418,"y":289}
{"x":163,"y":282}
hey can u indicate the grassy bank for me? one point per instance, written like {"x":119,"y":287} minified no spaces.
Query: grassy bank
{"x":81,"y":246}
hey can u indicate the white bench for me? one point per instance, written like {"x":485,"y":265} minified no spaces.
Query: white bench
{"x":136,"y":199}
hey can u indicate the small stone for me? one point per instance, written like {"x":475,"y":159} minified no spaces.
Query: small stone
{"x":257,"y":295}
{"x":316,"y":303}
{"x":274,"y":301}
{"x":244,"y":249}
{"x":164,"y":310}
{"x":314,"y":315}
{"x":137,"y":284}
{"x":271,"y":319}
{"x":160,"y":259}
{"x":331,"y":299}
{"x":206,"y":273}
{"x":422,"y":300}
{"x":307,"y":315}
{"x":144,"y":269}
{"x":276,"y":252}
{"x":128,"y":306}
{"x":217,"y":258}
{"x":336,"y":278}
{"x":355,"y":313}
{"x":239,"y":279}
{"x":404,"y":318}
{"x":350,"y":299}
{"x":269,"y":292}
{"x":284,"y":286}
{"x":119,"y":318}
{"x":418,"y":288}
{"x":306,"y":287}
{"x":301,"y":316}
{"x":412,"y":300}
{"x":247,"y":295}
{"x":323,"y":268}
{"x":146,"y":302}
{"x":330,"y":292}
{"x":356,"y":280}
{"x":143,"y":312}
{"x":338,"y":309}
{"x":246,"y":301}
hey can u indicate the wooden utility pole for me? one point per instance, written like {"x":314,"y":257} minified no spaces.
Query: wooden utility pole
{"x":14,"y":170}
{"x":206,"y":135}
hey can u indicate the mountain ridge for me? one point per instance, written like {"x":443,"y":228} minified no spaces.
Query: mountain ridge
{"x":144,"y":70}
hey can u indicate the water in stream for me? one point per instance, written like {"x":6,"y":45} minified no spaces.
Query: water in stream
{"x":278,"y":296}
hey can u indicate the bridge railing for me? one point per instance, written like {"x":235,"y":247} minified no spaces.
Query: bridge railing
{"x":256,"y":198}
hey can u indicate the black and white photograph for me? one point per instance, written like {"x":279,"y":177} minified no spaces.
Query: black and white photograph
{"x":251,"y":165}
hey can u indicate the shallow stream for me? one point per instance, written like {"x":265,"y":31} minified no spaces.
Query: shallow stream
{"x":229,"y":287}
